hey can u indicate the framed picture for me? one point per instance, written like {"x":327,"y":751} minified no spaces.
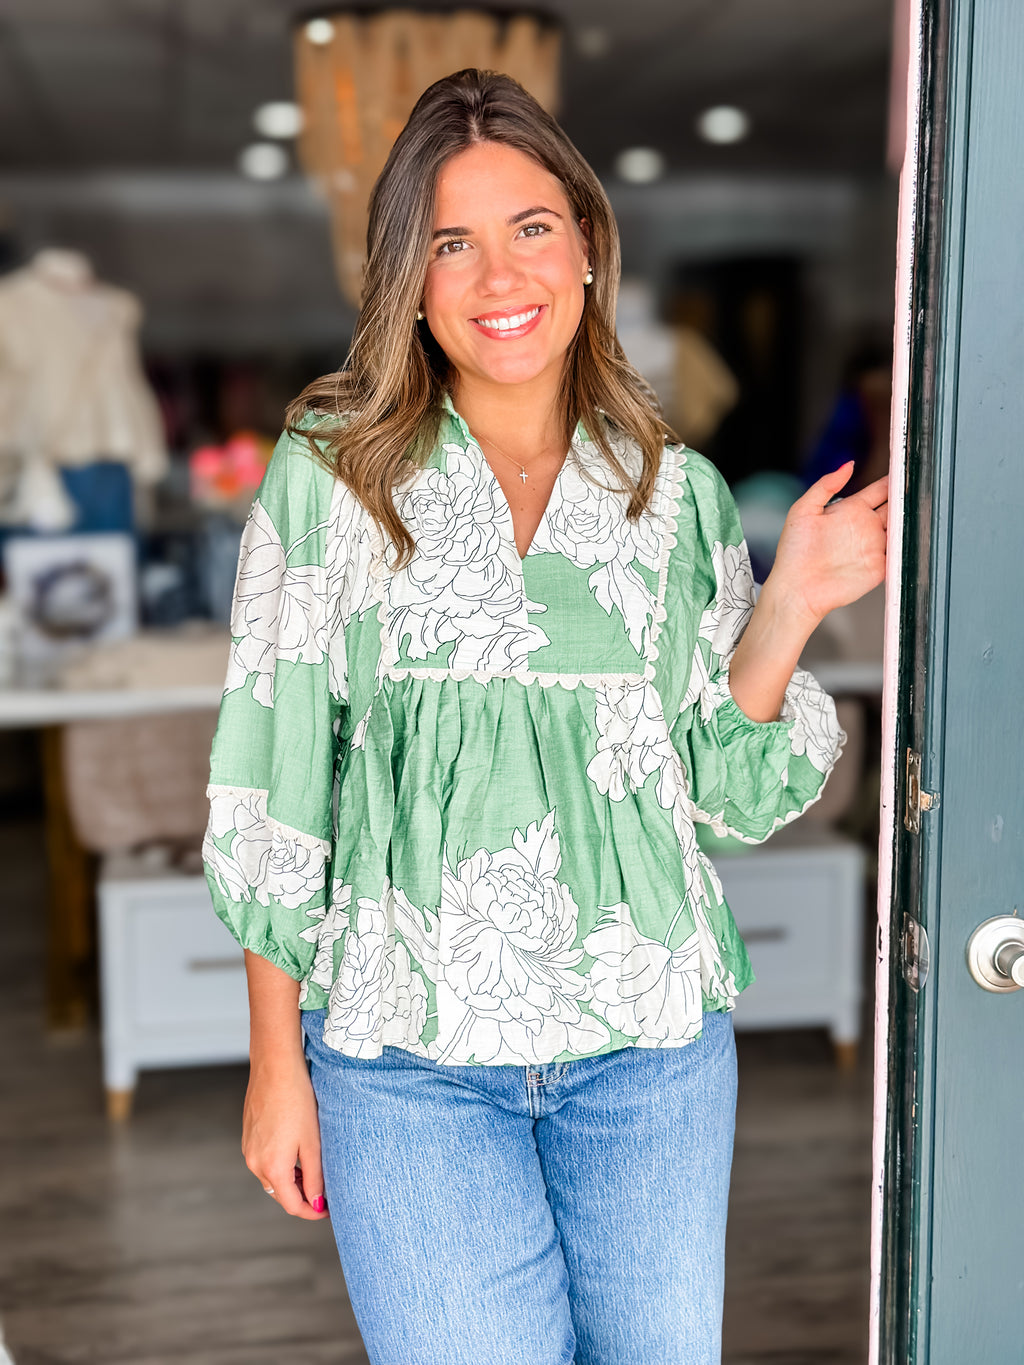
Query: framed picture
{"x":71,"y":590}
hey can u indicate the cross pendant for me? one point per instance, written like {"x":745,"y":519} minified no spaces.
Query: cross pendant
{"x":523,"y":475}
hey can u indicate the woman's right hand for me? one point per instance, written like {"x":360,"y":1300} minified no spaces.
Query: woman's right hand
{"x":281,"y":1136}
{"x":280,"y":1127}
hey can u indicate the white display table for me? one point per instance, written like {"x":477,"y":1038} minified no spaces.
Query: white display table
{"x":70,"y":967}
{"x":27,"y":708}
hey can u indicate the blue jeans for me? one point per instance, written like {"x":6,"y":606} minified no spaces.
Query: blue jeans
{"x":572,"y":1212}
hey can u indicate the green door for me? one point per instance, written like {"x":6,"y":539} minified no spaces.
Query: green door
{"x":949,"y":1253}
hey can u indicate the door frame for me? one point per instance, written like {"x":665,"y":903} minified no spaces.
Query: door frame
{"x":949,"y":645}
{"x":895,"y":1080}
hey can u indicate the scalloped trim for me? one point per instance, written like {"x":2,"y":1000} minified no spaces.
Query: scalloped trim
{"x":297,"y":836}
{"x":379,"y":570}
{"x":570,"y":681}
{"x":675,"y":481}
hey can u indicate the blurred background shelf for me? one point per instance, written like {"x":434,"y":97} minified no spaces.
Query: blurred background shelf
{"x":25,"y":708}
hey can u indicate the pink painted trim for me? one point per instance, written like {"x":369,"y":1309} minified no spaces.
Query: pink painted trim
{"x":899,"y":73}
{"x":890,"y":817}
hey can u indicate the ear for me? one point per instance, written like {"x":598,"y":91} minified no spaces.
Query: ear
{"x":584,"y":231}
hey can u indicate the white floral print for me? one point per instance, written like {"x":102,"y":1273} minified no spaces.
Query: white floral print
{"x":725,"y":618}
{"x":816,"y":732}
{"x":633,"y":745}
{"x":587,"y":526}
{"x":328,"y":927}
{"x":724,"y":622}
{"x":632,"y":738}
{"x":279,"y":611}
{"x":464,"y":585}
{"x":507,"y":953}
{"x":350,"y":585}
{"x":377,"y":999}
{"x":262,"y":863}
{"x":359,"y":733}
{"x":501,"y":954}
{"x":644,"y":989}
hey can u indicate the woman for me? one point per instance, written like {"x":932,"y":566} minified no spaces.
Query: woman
{"x":496,"y":651}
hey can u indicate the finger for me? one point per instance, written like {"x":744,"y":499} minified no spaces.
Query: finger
{"x":874,"y":494}
{"x":311,"y":1180}
{"x":288,"y":1193}
{"x":826,"y":487}
{"x":266,"y":1182}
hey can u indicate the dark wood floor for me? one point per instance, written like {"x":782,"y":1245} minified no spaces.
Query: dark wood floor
{"x":151,"y":1245}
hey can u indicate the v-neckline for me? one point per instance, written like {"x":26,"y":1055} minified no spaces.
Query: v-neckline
{"x":509,"y":518}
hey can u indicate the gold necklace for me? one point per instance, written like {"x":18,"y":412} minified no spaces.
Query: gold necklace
{"x":522,"y":468}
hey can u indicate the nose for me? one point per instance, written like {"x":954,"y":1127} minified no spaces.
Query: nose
{"x":500,"y":272}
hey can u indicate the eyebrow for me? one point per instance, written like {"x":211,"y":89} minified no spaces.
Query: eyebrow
{"x":531,"y":213}
{"x":511,"y":222}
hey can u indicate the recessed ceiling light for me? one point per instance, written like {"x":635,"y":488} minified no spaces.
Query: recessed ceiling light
{"x":640,"y":165}
{"x":724,"y":123}
{"x":320,"y":31}
{"x":593,"y":41}
{"x":263,"y":161}
{"x":279,"y":118}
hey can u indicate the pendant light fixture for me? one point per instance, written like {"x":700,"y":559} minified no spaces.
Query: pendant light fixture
{"x":358,"y":75}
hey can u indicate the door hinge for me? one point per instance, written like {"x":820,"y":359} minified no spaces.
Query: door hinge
{"x":915,"y":953}
{"x":917,"y":800}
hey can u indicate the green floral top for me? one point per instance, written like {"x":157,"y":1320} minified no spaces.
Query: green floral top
{"x":457,"y":801}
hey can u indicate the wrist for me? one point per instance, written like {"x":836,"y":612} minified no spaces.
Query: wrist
{"x":784,"y":608}
{"x":275,"y":1045}
{"x":276,"y":1063}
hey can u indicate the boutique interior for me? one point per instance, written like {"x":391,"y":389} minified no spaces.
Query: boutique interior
{"x":182,"y":209}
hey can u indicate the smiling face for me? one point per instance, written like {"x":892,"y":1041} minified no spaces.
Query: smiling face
{"x":504,"y":288}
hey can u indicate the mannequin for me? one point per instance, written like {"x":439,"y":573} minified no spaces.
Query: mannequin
{"x":72,"y":389}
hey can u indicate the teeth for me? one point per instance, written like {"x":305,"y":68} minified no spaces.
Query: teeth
{"x":506,"y":324}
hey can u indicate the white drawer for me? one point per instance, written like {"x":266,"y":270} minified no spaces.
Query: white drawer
{"x":799,"y":913}
{"x":185,"y":966}
{"x":789,"y":951}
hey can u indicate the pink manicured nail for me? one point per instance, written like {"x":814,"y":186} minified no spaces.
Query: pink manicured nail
{"x":318,"y":1204}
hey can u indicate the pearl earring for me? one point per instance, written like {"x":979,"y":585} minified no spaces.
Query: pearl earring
{"x":420,"y":315}
{"x":588,"y":278}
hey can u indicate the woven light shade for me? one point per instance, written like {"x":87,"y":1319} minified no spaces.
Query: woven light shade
{"x":358,"y":76}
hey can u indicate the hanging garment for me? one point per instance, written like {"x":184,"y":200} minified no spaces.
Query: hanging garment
{"x":72,"y":388}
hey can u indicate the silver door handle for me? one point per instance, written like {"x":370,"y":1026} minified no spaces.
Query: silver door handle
{"x":995,"y":954}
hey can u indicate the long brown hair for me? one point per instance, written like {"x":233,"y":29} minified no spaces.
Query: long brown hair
{"x":387,"y":398}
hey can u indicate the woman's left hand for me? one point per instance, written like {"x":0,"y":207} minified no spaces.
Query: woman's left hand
{"x":829,"y":556}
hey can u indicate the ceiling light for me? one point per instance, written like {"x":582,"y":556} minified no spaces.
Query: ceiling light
{"x":593,"y":42}
{"x":320,"y":31}
{"x":263,"y":161}
{"x":279,"y":118}
{"x":724,"y":123}
{"x":640,"y":165}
